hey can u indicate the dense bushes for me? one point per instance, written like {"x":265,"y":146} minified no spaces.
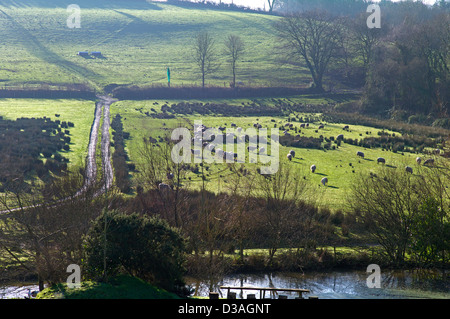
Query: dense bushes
{"x":119,"y":158}
{"x":132,"y":244}
{"x":197,"y":92}
{"x":395,"y":143}
{"x":301,"y":141}
{"x":425,"y":131}
{"x":30,"y":147}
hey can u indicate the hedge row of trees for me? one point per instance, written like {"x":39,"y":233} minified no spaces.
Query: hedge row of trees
{"x":403,"y":65}
{"x":120,"y":157}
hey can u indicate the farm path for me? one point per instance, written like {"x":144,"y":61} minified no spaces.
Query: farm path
{"x":103,"y":104}
{"x":101,"y":107}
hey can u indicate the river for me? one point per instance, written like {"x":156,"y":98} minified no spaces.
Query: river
{"x":407,"y":284}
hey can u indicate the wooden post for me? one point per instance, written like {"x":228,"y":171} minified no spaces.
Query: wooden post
{"x":231,"y":295}
{"x":213,"y":295}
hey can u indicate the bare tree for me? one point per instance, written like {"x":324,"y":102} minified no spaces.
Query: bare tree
{"x":234,"y":47}
{"x":312,"y":37}
{"x":393,"y":204}
{"x":282,"y":192}
{"x":364,"y":39}
{"x":204,"y":55}
{"x":47,"y":236}
{"x":156,"y":167}
{"x":271,"y":4}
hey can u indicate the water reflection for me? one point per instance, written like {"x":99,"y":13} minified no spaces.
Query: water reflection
{"x":17,"y":292}
{"x":337,"y":285}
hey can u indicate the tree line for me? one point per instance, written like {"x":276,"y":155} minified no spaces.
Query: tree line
{"x":402,"y":66}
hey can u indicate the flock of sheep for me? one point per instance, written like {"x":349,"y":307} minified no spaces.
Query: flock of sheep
{"x":324,"y":180}
{"x":290,"y":155}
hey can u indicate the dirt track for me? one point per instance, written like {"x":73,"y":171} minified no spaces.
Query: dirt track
{"x":91,"y":166}
{"x":101,"y":107}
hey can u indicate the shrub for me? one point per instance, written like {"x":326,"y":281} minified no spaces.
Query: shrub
{"x":147,"y":248}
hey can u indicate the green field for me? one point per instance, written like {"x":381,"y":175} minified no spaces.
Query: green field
{"x":334,"y":164}
{"x":138,"y":40}
{"x":80,"y":112}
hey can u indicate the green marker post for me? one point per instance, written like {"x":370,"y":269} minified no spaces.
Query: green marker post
{"x":168,"y":76}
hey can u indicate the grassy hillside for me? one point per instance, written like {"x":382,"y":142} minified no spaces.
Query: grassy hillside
{"x":138,"y":40}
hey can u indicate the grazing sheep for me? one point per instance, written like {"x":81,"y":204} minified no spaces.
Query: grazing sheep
{"x":233,"y":125}
{"x":262,"y":150}
{"x":219,"y":152}
{"x":340,"y":137}
{"x":360,"y":154}
{"x":313,"y":168}
{"x":409,"y":169}
{"x":381,"y":160}
{"x":346,"y":127}
{"x":429,"y":161}
{"x":292,"y":152}
{"x":302,"y":125}
{"x":321,"y":126}
{"x":289,"y":156}
{"x":163,"y":187}
{"x":229,"y":155}
{"x":418,"y":160}
{"x":324,"y":181}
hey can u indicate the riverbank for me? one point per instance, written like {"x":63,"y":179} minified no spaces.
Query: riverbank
{"x":299,"y":260}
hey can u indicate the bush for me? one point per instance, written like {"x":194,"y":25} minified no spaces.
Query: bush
{"x":443,"y":123}
{"x":147,"y":248}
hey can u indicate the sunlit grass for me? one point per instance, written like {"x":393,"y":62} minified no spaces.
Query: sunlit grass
{"x":341,"y":166}
{"x":79,"y":112}
{"x":139,"y":40}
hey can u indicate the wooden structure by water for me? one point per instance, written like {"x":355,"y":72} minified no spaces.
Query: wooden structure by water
{"x":262,"y":292}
